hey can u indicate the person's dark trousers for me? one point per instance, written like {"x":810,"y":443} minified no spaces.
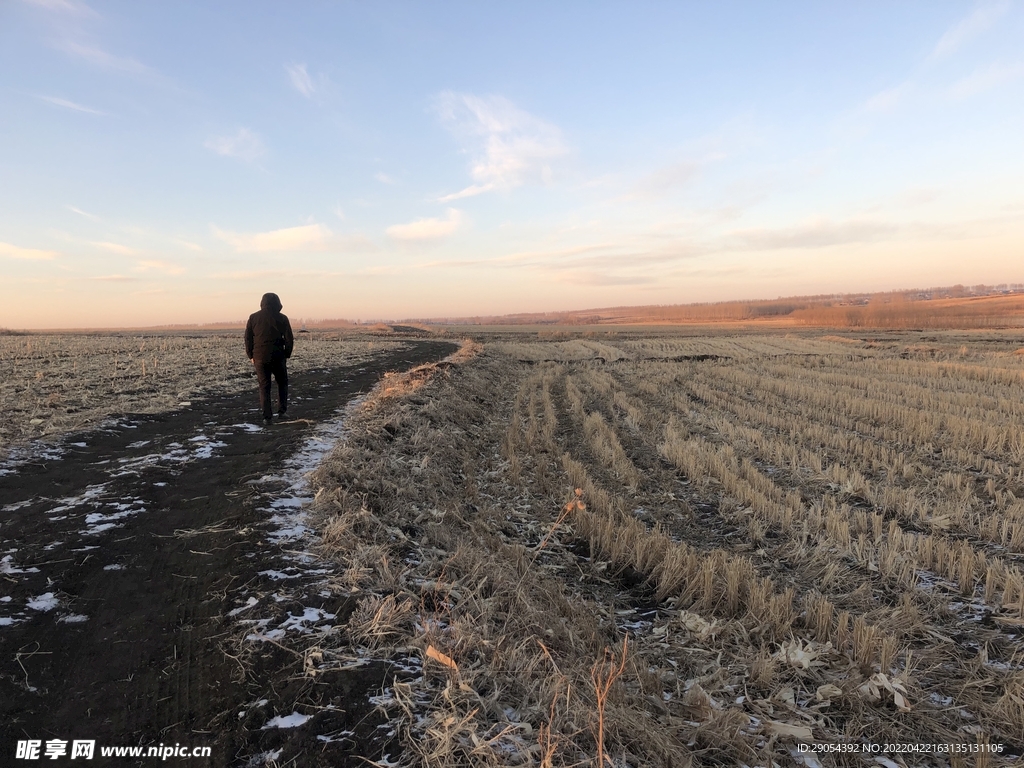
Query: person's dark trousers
{"x":264,"y":370}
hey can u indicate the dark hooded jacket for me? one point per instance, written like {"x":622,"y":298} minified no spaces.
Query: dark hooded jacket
{"x":268,"y":334}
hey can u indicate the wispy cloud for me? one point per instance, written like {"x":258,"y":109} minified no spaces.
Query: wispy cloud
{"x":427,"y":229}
{"x":890,"y":98}
{"x":640,"y":258}
{"x":104,"y":59}
{"x":30,"y":254}
{"x":73,"y":7}
{"x":71,"y":105}
{"x":115,"y":279}
{"x":508,"y":146}
{"x":917,"y":196}
{"x":985,"y":79}
{"x":818,"y":233}
{"x":601,"y":279}
{"x":294,"y":274}
{"x":258,"y":274}
{"x":160,"y":266}
{"x":383,"y":178}
{"x":667,"y":179}
{"x":471,"y":191}
{"x":244,"y":145}
{"x":968,"y":28}
{"x":300,"y":78}
{"x":189,"y":245}
{"x":308,"y":238}
{"x":597,"y":265}
{"x":80,"y":212}
{"x":517,"y":259}
{"x":121,"y":250}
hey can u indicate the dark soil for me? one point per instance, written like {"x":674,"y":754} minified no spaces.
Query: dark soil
{"x":142,"y":542}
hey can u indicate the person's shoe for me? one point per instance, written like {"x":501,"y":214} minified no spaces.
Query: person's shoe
{"x":282,"y":415}
{"x":268,"y":420}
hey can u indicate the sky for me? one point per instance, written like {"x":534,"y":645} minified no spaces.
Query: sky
{"x":169,"y":162}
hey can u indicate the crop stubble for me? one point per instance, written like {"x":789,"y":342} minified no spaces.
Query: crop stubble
{"x":56,"y":383}
{"x":805,"y":539}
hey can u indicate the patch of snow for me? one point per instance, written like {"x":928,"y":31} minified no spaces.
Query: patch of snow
{"x":90,"y":495}
{"x":274,"y":634}
{"x":294,"y":720}
{"x":113,"y":567}
{"x":288,"y":529}
{"x":8,"y":568}
{"x":264,"y":758}
{"x":235,"y":611}
{"x":34,"y":451}
{"x":338,"y":736}
{"x":73,"y":618}
{"x":278,"y":575}
{"x":290,"y":502}
{"x":385,"y":700}
{"x":206,"y":450}
{"x":309,"y":616}
{"x":44,"y":602}
{"x":99,"y":522}
{"x":148,"y":458}
{"x":806,"y":759}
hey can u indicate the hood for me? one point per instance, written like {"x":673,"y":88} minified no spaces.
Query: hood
{"x":270,"y":301}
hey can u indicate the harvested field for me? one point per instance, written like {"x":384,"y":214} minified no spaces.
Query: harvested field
{"x":61,"y":382}
{"x":626,"y":549}
{"x":644,"y":550}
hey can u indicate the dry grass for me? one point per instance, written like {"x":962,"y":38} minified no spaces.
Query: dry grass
{"x":785,"y":540}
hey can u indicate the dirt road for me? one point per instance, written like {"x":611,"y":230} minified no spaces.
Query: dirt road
{"x":126,"y":555}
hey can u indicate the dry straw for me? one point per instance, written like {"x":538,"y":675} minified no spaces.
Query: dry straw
{"x":784,"y":539}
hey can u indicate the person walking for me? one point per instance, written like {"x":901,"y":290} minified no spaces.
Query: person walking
{"x":269,"y":343}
